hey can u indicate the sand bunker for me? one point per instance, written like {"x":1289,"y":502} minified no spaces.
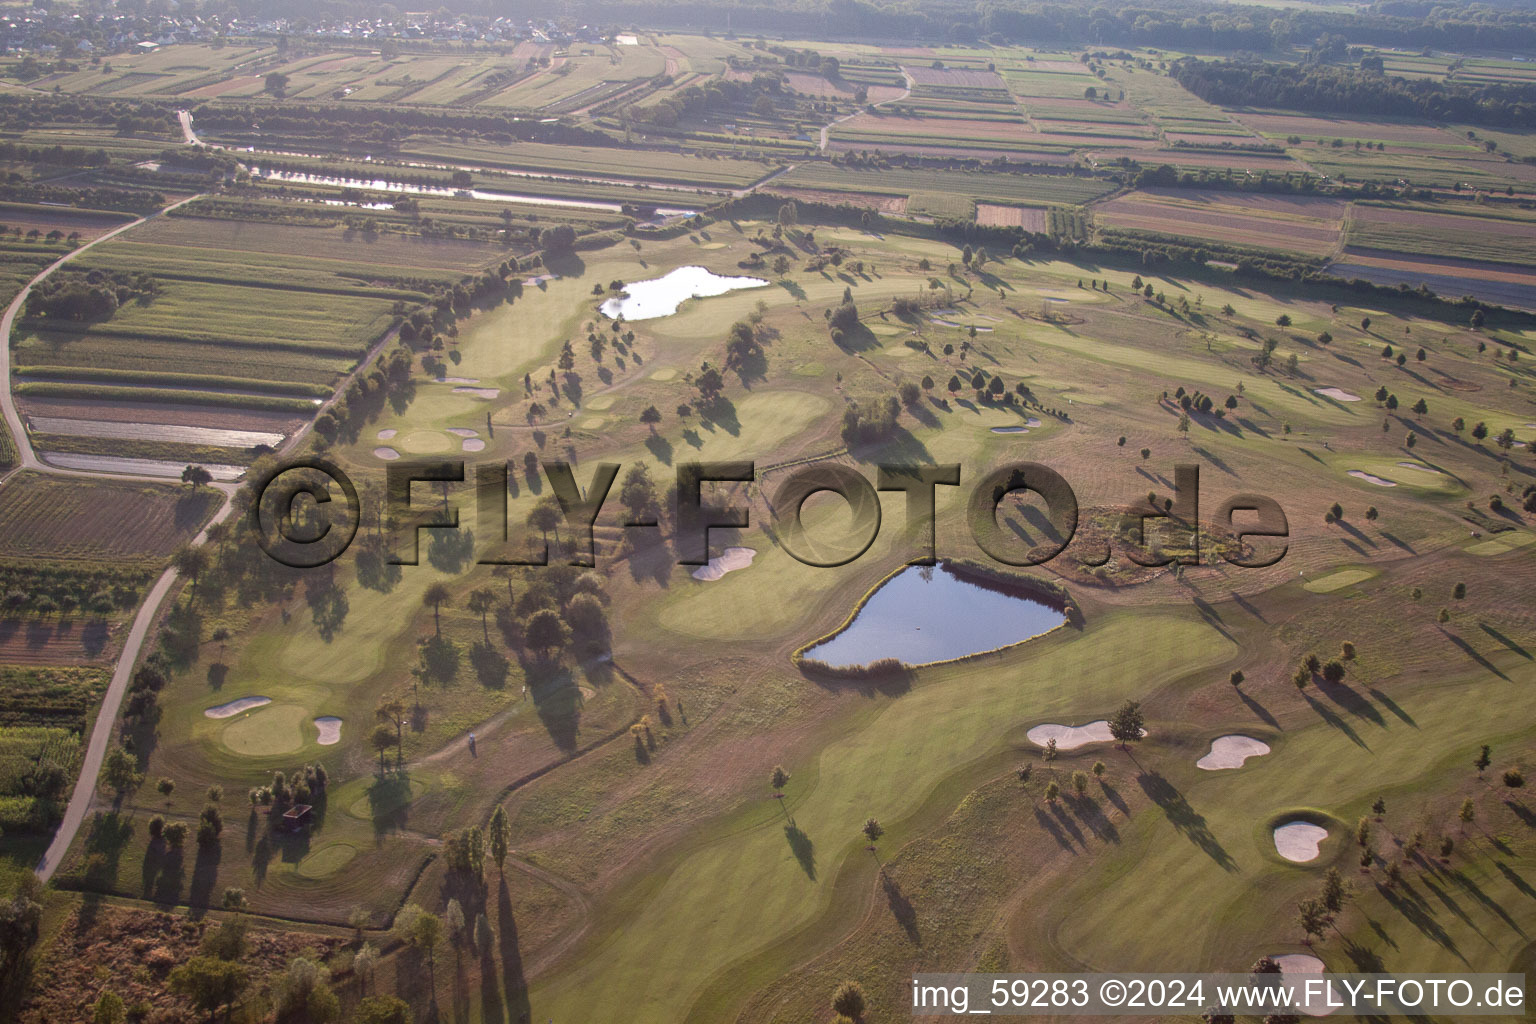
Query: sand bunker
{"x":386,"y":433}
{"x":1293,"y":964}
{"x":473,"y":444}
{"x":1298,"y":841}
{"x":478,"y":392}
{"x":1360,"y":474}
{"x":234,"y":707}
{"x":387,"y":454}
{"x":1070,"y":737}
{"x":728,"y":560}
{"x":330,"y":730}
{"x":1337,"y":394}
{"x":1231,"y":752}
{"x":458,"y":380}
{"x":1010,"y":430}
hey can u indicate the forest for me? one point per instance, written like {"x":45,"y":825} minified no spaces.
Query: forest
{"x":1326,"y":88}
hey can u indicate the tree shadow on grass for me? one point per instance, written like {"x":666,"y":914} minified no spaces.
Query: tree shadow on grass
{"x":164,"y":870}
{"x":490,"y":665}
{"x":389,"y":801}
{"x":1413,"y":910}
{"x":1327,"y":715}
{"x":1506,"y":641}
{"x":1185,"y":818}
{"x":1093,"y":818}
{"x":901,"y":908}
{"x":514,"y":985}
{"x":205,"y":874}
{"x":1392,"y":706}
{"x":1051,"y":825}
{"x":557,"y":700}
{"x":804,"y":850}
{"x":1472,"y":653}
{"x":1345,"y":697}
{"x":1258,"y":709}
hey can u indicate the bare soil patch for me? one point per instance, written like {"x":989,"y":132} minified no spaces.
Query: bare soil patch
{"x":1030,"y":219}
{"x":937,"y":128}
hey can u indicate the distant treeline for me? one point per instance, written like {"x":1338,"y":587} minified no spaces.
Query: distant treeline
{"x":1328,"y":88}
{"x":20,"y":111}
{"x":1177,"y":24}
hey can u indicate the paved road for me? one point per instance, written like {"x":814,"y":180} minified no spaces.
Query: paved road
{"x":101,"y":735}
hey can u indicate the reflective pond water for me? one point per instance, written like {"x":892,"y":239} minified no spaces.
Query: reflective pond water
{"x":661,"y":296}
{"x":925,"y":614}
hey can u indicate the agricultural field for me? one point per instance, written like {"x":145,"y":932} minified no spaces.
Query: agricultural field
{"x":503,"y":754}
{"x":1304,"y":225}
{"x":1503,"y":235}
{"x":50,"y":520}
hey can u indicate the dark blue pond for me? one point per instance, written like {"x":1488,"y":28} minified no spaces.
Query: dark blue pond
{"x":925,"y":614}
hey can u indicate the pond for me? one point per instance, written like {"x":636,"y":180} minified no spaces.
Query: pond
{"x":925,"y":614}
{"x":661,"y":296}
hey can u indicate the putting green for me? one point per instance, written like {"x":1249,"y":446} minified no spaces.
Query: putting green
{"x":423,"y":442}
{"x":274,"y":729}
{"x":327,"y":860}
{"x":1502,"y":543}
{"x":599,"y":403}
{"x":1338,"y":580}
{"x":591,"y":423}
{"x":667,"y":373}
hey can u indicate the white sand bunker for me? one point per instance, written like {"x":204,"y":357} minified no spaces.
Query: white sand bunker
{"x":1231,"y":752}
{"x":387,"y":433}
{"x":478,"y":392}
{"x":330,"y":730}
{"x":1292,"y":964}
{"x":1337,"y":394}
{"x":1070,"y":737}
{"x":728,"y":560}
{"x":458,"y":380}
{"x":463,"y":432}
{"x":1010,"y":430}
{"x":473,"y":444}
{"x":234,"y":707}
{"x":1421,"y":469}
{"x":387,"y":454}
{"x":1298,"y":841}
{"x":1360,"y":474}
